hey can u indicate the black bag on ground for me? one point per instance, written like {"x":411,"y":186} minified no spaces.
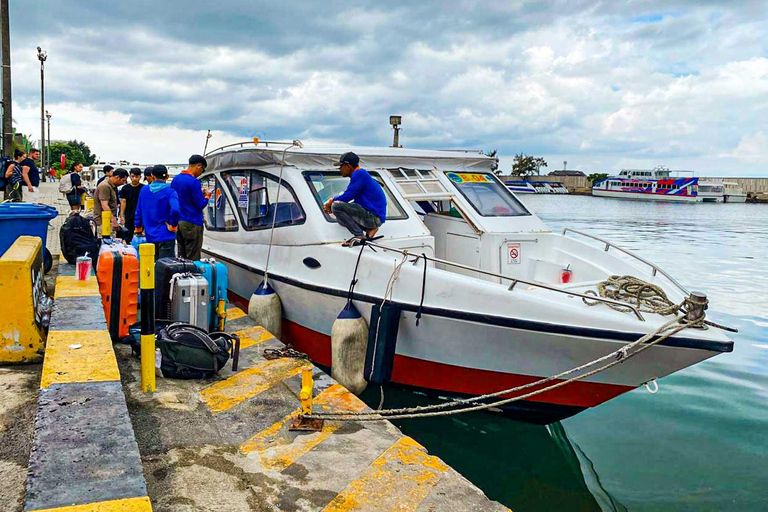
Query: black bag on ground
{"x":165,"y":269}
{"x":191,"y":353}
{"x":77,"y":238}
{"x":134,"y":335}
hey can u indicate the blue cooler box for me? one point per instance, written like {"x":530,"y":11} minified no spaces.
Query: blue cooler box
{"x":18,"y":219}
{"x":216,"y":275}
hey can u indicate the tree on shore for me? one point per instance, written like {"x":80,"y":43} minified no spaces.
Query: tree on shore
{"x":596,"y":176}
{"x":74,"y":151}
{"x":526,"y":165}
{"x":495,"y":169}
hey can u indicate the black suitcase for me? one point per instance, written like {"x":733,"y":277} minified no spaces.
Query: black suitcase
{"x":165,"y":269}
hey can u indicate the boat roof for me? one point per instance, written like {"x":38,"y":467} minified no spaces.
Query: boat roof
{"x":370,"y":157}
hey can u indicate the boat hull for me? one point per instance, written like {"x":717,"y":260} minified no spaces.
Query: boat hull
{"x":451,"y":354}
{"x":618,"y":194}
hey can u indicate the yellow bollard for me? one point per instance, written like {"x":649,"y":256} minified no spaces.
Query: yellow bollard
{"x":106,"y":223}
{"x":303,"y":422}
{"x":147,"y":285}
{"x":305,"y":395}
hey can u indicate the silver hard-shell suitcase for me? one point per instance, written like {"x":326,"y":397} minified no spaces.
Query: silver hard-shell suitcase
{"x":189,"y":300}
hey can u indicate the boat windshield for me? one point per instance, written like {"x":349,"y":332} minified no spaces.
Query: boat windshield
{"x":328,"y":184}
{"x":487,"y":196}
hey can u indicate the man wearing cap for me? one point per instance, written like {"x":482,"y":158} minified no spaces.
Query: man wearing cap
{"x":362,"y":207}
{"x":129,"y":198}
{"x":157,"y":214}
{"x":148,"y":175}
{"x":192,"y":202}
{"x":105,"y":198}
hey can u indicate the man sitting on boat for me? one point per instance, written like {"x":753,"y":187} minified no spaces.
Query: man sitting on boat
{"x":362,"y":207}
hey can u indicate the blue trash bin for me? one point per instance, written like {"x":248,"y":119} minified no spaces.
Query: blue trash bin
{"x":18,"y":219}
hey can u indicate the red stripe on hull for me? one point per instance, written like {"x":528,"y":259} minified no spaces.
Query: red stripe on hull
{"x":448,"y":378}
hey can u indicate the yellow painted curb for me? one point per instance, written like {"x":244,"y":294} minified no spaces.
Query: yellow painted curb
{"x":79,"y":356}
{"x":69,"y":286}
{"x":125,"y":505}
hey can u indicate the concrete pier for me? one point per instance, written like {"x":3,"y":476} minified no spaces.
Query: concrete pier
{"x":100,"y":444}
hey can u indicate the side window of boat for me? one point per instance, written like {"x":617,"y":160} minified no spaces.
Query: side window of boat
{"x":218,"y":214}
{"x":259,"y":202}
{"x":328,"y":184}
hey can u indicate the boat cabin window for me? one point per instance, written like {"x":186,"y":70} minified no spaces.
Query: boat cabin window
{"x":488,"y":196}
{"x":218,"y":214}
{"x":327,"y":184}
{"x":257,"y":199}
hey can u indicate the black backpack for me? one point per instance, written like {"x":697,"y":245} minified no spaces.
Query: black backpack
{"x":77,"y":238}
{"x":191,"y":353}
{"x":4,"y":162}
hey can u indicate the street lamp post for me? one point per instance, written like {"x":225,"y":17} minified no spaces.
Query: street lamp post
{"x":42,"y":56}
{"x":48,"y":154}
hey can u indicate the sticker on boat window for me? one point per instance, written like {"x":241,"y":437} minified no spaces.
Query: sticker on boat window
{"x":315,"y":176}
{"x":468,"y":177}
{"x":242,"y":195}
{"x":514,"y":251}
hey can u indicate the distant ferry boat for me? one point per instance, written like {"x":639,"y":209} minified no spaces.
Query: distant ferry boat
{"x":653,"y":185}
{"x":536,"y":187}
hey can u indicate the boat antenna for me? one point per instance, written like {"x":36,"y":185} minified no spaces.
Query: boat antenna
{"x":206,"y":141}
{"x":294,"y":144}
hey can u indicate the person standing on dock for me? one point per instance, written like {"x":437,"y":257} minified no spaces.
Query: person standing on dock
{"x":192,"y":202}
{"x":157,"y":214}
{"x":14,"y":178}
{"x":129,"y":199}
{"x":105,"y":198}
{"x":107,"y":173}
{"x":148,"y":175}
{"x":31,"y":176}
{"x":362,"y":207}
{"x":75,"y":194}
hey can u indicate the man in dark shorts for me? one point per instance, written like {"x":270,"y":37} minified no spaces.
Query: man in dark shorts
{"x":362,"y":207}
{"x":129,"y":198}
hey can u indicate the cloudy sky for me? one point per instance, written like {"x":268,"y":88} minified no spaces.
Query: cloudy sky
{"x":601,"y":85}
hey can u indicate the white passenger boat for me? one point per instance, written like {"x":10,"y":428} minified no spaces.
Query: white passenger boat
{"x":499,"y":296}
{"x":657,"y":184}
{"x":520,"y":186}
{"x":711,"y":191}
{"x":733,"y":193}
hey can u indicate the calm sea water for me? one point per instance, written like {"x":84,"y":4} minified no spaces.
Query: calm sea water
{"x":700,"y":443}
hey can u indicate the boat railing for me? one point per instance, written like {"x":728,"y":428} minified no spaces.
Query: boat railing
{"x":654,"y":269}
{"x":244,"y":143}
{"x":514,"y":280}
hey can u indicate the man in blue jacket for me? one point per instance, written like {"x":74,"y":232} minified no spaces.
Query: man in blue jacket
{"x":362,"y":207}
{"x":192,"y":202}
{"x":157,"y":214}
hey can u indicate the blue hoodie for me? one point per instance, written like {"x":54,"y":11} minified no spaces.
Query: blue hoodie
{"x":191,"y":199}
{"x":158,"y":204}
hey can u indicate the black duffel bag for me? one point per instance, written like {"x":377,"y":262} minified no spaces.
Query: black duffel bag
{"x":77,"y":238}
{"x":189,"y":352}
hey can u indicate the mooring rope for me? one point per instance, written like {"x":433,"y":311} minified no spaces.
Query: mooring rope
{"x":621,"y":355}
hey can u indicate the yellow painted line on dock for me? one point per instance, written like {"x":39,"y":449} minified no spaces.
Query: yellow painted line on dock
{"x":277,"y":448}
{"x":70,"y":286}
{"x":125,"y":505}
{"x":79,"y":356}
{"x":234,"y":313}
{"x":253,"y":336}
{"x":399,"y":480}
{"x":226,"y":394}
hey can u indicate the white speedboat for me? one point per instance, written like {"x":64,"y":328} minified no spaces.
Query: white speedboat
{"x":498,"y":294}
{"x":711,"y":191}
{"x":733,"y":193}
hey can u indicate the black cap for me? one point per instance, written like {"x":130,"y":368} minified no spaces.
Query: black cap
{"x":160,"y":171}
{"x":348,"y":158}
{"x":148,"y":172}
{"x":198,"y":159}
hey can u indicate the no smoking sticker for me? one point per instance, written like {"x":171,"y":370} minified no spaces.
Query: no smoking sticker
{"x":514,"y":251}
